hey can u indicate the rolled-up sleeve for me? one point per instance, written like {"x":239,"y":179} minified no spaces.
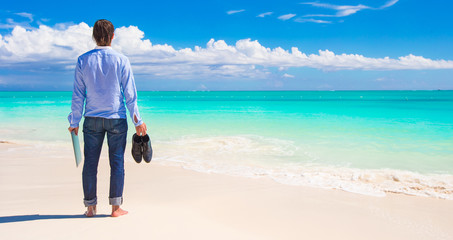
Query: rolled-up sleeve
{"x":78,"y":97}
{"x":130,"y":92}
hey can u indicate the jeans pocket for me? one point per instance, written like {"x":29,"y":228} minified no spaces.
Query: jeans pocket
{"x":89,"y":125}
{"x":118,"y":125}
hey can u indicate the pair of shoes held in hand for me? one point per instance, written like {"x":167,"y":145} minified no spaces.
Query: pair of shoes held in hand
{"x":141,"y":148}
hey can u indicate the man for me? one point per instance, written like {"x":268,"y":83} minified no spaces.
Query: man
{"x":103,"y":78}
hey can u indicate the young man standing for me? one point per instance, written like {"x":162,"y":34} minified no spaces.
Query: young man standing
{"x":103,"y":79}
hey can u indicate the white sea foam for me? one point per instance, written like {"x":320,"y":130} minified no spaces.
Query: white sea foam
{"x":245,"y":144}
{"x":256,"y":156}
{"x":370,"y":182}
{"x":260,"y":157}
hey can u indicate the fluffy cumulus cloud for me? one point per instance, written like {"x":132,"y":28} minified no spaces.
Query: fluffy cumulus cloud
{"x":245,"y":59}
{"x":44,"y":44}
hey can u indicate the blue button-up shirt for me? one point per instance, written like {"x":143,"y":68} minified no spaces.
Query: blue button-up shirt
{"x":103,"y":79}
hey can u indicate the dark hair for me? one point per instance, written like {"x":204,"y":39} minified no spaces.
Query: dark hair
{"x":103,"y":32}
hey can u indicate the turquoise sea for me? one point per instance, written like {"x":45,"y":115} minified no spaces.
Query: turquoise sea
{"x":370,"y":142}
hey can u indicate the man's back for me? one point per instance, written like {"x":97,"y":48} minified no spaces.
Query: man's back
{"x":102,"y":71}
{"x":103,"y":77}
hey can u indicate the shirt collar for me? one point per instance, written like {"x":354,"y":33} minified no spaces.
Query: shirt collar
{"x":103,"y":47}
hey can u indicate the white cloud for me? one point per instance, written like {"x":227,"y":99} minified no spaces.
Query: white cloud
{"x":7,"y":25}
{"x":345,"y":10}
{"x":46,"y":46}
{"x":286,"y":75}
{"x":286,"y":16}
{"x":45,"y":43}
{"x":389,"y":4}
{"x":26,"y":15}
{"x":302,"y":20}
{"x":265,"y":14}
{"x":342,"y":11}
{"x":235,"y":11}
{"x":10,"y":24}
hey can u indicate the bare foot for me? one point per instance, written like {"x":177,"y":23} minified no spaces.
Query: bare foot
{"x":91,"y":211}
{"x":117,"y":211}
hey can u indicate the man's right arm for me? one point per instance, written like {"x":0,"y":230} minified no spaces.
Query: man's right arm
{"x":130,"y":93}
{"x":78,"y":98}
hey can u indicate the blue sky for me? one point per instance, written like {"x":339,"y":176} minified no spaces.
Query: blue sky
{"x":378,"y":45}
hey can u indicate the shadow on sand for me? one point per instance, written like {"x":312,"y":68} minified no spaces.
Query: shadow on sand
{"x":24,"y":218}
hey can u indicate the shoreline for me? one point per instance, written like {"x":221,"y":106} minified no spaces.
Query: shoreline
{"x":165,"y":202}
{"x":368,"y":182}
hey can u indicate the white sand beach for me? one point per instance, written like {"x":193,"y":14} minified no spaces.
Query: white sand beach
{"x":41,"y":198}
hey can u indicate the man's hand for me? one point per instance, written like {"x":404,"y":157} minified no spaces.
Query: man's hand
{"x":141,"y":129}
{"x":76,"y":130}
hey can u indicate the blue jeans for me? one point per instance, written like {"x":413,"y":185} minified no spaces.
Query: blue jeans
{"x":94,"y":129}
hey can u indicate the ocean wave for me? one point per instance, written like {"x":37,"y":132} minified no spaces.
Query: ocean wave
{"x":375,"y":182}
{"x":261,"y":157}
{"x":243,"y":144}
{"x":264,"y":157}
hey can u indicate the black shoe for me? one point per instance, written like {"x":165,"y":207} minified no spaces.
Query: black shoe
{"x":137,"y":148}
{"x":147,"y":150}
